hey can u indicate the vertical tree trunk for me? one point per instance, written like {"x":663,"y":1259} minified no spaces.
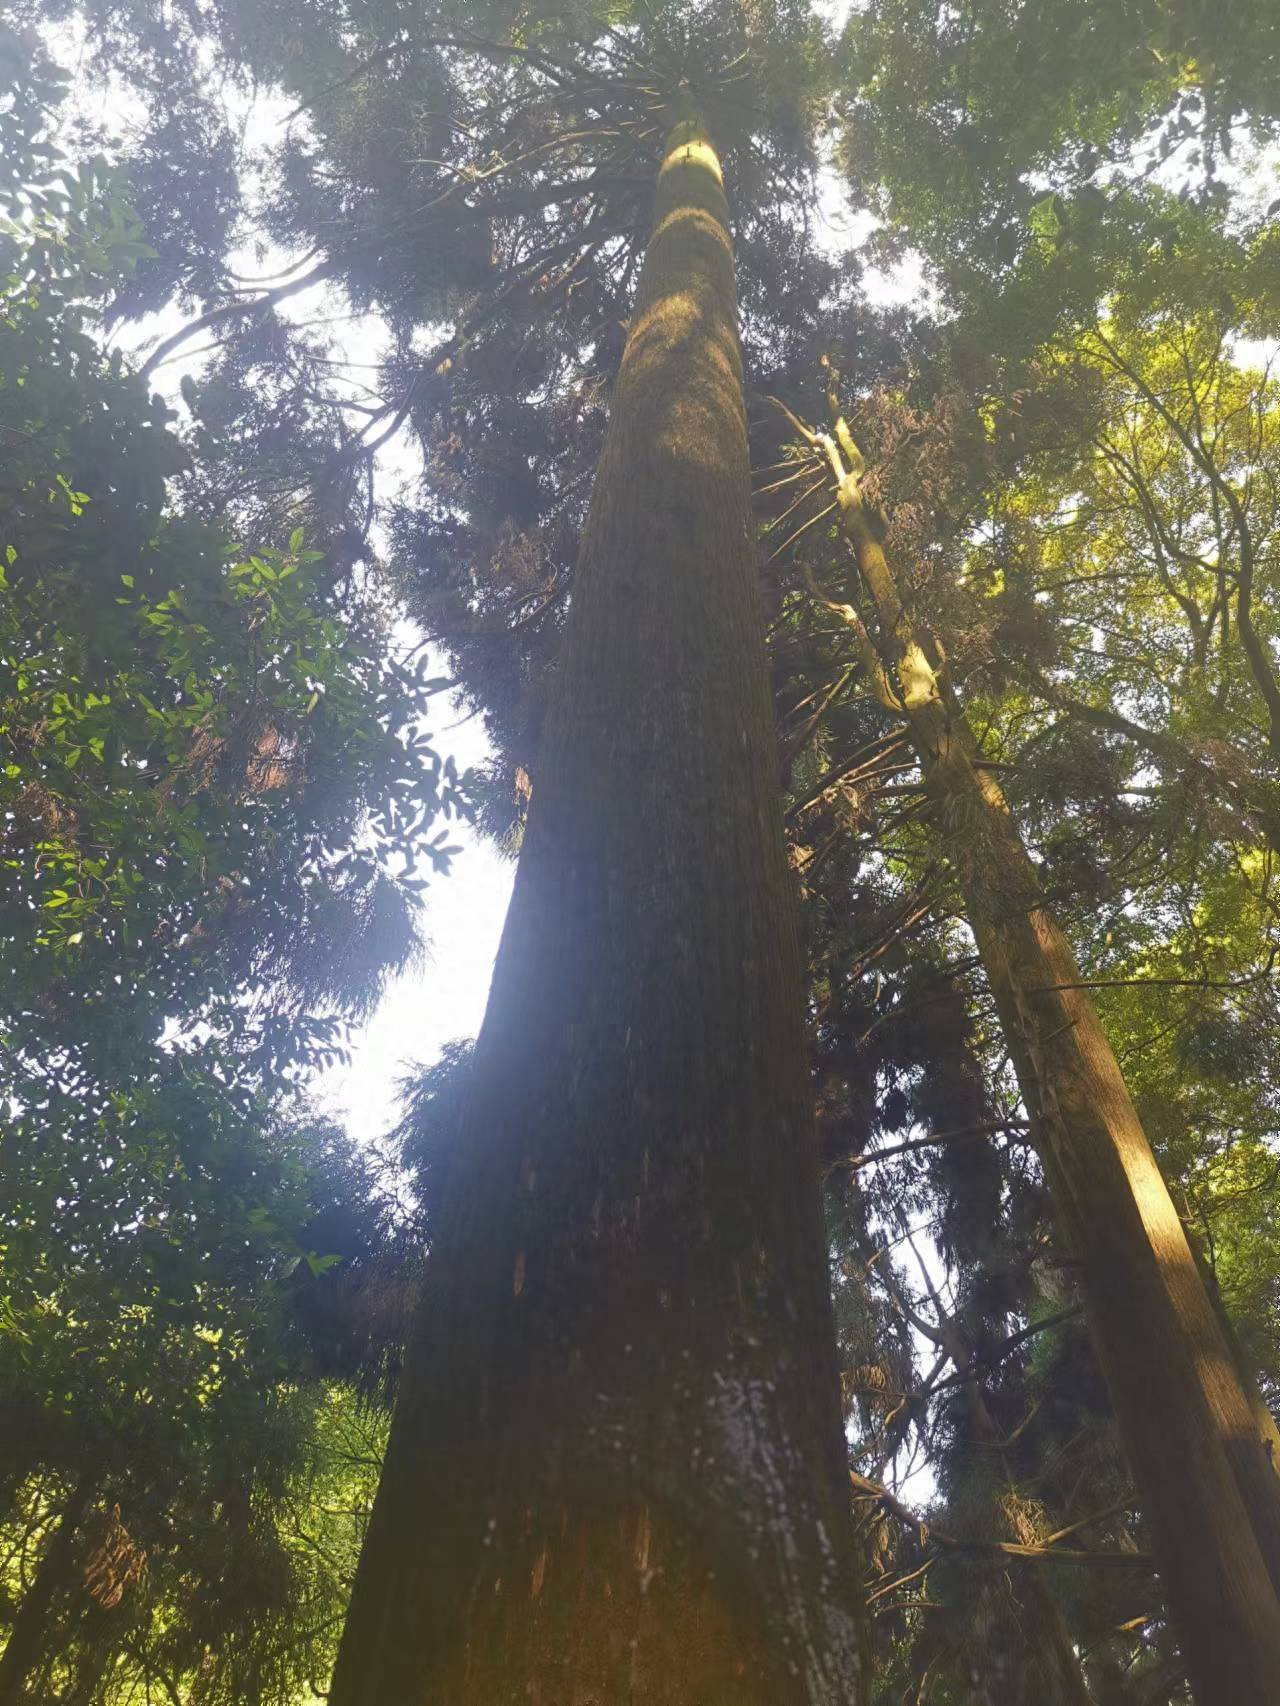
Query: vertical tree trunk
{"x":1030,"y":1659}
{"x":1199,"y":1456}
{"x":616,"y":1473}
{"x":1264,"y":1421}
{"x":1023,"y":1653}
{"x":54,"y":1574}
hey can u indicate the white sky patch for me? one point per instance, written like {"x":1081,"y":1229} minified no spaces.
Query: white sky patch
{"x":445,"y":997}
{"x":463,"y":913}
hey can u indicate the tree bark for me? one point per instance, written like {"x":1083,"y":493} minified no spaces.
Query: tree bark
{"x":616,"y":1472}
{"x":1202,"y":1465}
{"x":54,"y":1574}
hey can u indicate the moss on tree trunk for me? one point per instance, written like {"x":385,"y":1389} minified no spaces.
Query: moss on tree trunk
{"x":616,"y":1471}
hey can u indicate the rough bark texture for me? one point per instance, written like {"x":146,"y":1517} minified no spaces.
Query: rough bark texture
{"x":1200,"y":1458}
{"x":616,"y":1471}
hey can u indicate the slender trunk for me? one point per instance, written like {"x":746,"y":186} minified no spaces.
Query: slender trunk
{"x":1024,"y":1655}
{"x":206,"y":1680}
{"x":616,"y":1472}
{"x":1031,"y":1660}
{"x":54,"y":1574}
{"x":1259,"y":663}
{"x":1255,"y":649}
{"x":1199,"y":1457}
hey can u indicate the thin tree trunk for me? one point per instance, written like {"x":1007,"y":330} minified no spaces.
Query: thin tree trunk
{"x":54,"y":1574}
{"x":1198,"y":1454}
{"x":1264,"y":1421}
{"x":1033,"y":1661}
{"x":616,"y":1472}
{"x":1023,"y":1654}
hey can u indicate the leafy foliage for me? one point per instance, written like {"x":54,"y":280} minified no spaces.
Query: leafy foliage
{"x":216,"y":797}
{"x":214,"y":774}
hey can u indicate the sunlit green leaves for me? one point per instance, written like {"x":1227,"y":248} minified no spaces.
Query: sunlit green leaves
{"x":215,"y":781}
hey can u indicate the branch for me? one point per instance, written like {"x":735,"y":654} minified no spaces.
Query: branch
{"x":227,"y":310}
{"x":361,"y":67}
{"x":865,"y":758}
{"x":991,"y":1130}
{"x":1087,"y":1521}
{"x":1164,"y":982}
{"x":926,"y":1533}
{"x":1005,"y":1349}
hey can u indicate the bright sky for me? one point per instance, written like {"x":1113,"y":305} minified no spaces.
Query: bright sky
{"x":445,"y":997}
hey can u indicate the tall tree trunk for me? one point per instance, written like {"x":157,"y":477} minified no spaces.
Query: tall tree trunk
{"x":616,"y":1472}
{"x":1022,"y":1654}
{"x":55,"y":1573}
{"x":1199,"y":1456}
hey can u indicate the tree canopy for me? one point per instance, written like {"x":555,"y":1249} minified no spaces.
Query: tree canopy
{"x":320,"y":351}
